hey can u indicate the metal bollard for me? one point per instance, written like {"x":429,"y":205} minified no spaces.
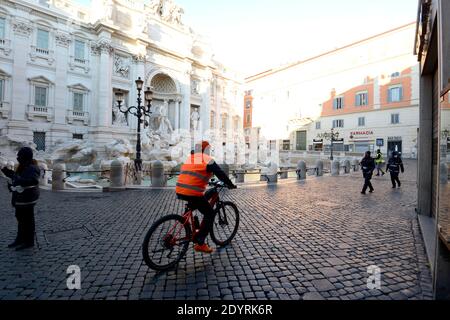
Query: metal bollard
{"x":335,"y":168}
{"x":355,"y":165}
{"x":58,"y":176}
{"x":117,"y":174}
{"x":444,"y":173}
{"x":301,"y":170}
{"x":284,"y":174}
{"x":319,"y":168}
{"x":347,"y":166}
{"x":240,"y":176}
{"x":158,"y":177}
{"x":271,"y":174}
{"x":43,"y":179}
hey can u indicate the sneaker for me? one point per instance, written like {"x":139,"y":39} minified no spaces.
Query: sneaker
{"x":362,"y":192}
{"x":383,"y":173}
{"x":371,"y":191}
{"x":203,"y":248}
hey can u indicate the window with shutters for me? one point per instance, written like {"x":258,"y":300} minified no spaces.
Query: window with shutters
{"x":338,"y":103}
{"x":361,"y":99}
{"x":361,"y":121}
{"x":395,"y":118}
{"x":338,"y":124}
{"x":395,"y":94}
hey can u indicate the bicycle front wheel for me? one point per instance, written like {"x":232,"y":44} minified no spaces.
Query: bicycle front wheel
{"x":226,"y":223}
{"x":166,"y":243}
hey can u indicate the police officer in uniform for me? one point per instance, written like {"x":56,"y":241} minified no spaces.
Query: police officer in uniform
{"x":367,"y":166}
{"x":394,"y":165}
{"x":379,"y":163}
{"x":191,"y":185}
{"x":24,"y":185}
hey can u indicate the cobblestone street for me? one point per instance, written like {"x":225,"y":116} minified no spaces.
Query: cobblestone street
{"x":299,"y":240}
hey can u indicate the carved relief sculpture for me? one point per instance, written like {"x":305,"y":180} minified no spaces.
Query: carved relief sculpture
{"x":121,"y":67}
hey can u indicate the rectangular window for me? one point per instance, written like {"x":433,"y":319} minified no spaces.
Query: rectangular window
{"x":77,"y":136}
{"x":40,"y":96}
{"x":42,"y":39}
{"x":395,"y":94}
{"x":338,"y":123}
{"x":338,"y":103}
{"x":39,"y":140}
{"x":78,"y":102}
{"x":361,"y":121}
{"x":286,"y":145}
{"x":361,"y":99}
{"x":395,"y":118}
{"x":248,"y":103}
{"x":79,"y":50}
{"x":2,"y":28}
{"x":318,"y":125}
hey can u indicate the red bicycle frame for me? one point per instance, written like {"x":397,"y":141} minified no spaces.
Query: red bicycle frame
{"x":188,"y":217}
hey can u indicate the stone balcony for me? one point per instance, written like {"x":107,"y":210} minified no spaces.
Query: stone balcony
{"x":73,"y":115}
{"x":4,"y":109}
{"x":40,"y":54}
{"x":40,"y":111}
{"x":79,"y":64}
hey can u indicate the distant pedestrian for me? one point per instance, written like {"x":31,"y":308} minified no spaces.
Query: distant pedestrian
{"x":379,"y":163}
{"x":395,"y":165}
{"x":24,"y":185}
{"x":367,"y":166}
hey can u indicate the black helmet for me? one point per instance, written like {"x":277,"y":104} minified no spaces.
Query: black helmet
{"x":25,"y":155}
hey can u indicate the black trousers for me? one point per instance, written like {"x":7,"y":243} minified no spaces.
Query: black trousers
{"x":26,"y":224}
{"x":202,"y":205}
{"x":367,"y":183}
{"x":395,"y":179}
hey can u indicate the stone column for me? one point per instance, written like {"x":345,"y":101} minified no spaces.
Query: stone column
{"x":62,"y":101}
{"x":117,"y":174}
{"x":319,"y":168}
{"x":177,"y":114}
{"x":158,"y":177}
{"x":105,"y":83}
{"x":58,"y":176}
{"x":20,"y":99}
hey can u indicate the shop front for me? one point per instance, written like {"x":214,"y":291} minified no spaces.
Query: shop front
{"x":362,"y":141}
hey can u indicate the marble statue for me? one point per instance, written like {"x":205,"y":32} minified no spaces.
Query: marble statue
{"x":195,"y":119}
{"x":165,"y":127}
{"x":119,"y":117}
{"x":108,"y":6}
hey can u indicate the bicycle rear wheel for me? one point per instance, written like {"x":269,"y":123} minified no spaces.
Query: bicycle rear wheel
{"x":166,"y":243}
{"x":226,"y":223}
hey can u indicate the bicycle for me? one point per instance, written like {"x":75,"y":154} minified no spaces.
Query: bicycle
{"x":176,"y":232}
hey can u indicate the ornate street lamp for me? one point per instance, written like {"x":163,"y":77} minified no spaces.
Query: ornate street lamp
{"x":331,"y":136}
{"x":139,"y":112}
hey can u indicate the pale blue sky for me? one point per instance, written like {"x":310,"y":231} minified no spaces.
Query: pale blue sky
{"x":255,"y":35}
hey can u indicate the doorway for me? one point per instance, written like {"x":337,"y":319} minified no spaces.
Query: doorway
{"x":394,"y":145}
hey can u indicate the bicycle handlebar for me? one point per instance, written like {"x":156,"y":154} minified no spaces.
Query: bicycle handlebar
{"x":217,"y":184}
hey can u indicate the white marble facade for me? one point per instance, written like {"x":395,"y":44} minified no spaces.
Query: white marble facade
{"x":61,"y":63}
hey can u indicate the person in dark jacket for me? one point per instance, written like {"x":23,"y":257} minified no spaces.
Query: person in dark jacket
{"x":395,"y":165}
{"x":367,"y":166}
{"x":24,"y":185}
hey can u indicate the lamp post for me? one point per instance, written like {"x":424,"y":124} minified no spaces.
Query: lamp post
{"x":139,"y":112}
{"x":332,"y":136}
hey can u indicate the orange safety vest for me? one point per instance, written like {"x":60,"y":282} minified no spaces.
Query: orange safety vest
{"x":194,"y":178}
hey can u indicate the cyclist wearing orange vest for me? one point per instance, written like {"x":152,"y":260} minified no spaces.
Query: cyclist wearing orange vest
{"x":195,"y":175}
